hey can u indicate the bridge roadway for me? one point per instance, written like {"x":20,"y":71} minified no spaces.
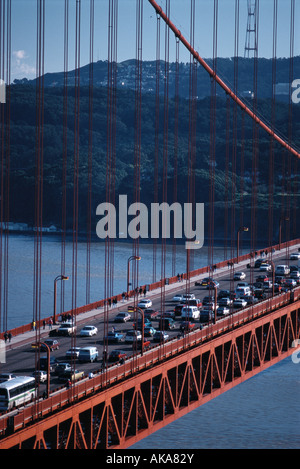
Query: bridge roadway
{"x":21,"y":357}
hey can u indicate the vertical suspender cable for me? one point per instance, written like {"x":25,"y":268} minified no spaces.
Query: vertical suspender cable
{"x":165,"y":155}
{"x":137,"y":142}
{"x":255,"y":137}
{"x":2,"y":126}
{"x":39,"y":166}
{"x":5,"y":76}
{"x":110,"y":159}
{"x":191,"y":141}
{"x":90,"y":154}
{"x":64,"y":150}
{"x":290,"y":125}
{"x":212,"y":151}
{"x":176,"y":122}
{"x":156,"y":149}
{"x":271,"y":157}
{"x":76,"y":167}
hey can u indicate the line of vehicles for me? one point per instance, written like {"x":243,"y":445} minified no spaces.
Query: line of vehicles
{"x":186,"y":312}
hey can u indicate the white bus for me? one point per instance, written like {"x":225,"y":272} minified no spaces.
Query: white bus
{"x":16,"y":392}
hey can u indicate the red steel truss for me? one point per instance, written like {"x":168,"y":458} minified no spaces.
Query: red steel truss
{"x":133,"y":408}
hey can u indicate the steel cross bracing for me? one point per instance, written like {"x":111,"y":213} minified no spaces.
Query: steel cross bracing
{"x":167,"y":383}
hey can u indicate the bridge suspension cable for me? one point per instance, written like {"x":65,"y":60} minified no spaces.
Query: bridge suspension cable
{"x":220,"y":82}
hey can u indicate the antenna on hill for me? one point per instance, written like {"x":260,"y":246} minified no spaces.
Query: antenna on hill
{"x":251,"y":32}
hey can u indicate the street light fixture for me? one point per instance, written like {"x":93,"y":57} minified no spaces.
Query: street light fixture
{"x":241,"y":229}
{"x":131,"y":258}
{"x":59,"y":277}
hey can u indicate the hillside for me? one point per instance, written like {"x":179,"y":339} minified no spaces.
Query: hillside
{"x":232,"y":179}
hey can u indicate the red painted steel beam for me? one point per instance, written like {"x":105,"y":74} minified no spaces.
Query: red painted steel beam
{"x":220,"y":82}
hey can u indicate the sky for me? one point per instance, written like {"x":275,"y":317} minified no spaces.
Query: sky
{"x":24,"y":40}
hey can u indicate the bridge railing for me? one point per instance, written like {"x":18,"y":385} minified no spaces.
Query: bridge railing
{"x":154,"y":286}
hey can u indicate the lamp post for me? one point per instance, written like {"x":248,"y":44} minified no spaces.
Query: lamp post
{"x":241,"y":229}
{"x":131,"y":258}
{"x":59,"y":277}
{"x":280,"y":227}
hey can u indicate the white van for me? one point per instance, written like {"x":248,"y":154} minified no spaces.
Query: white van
{"x":88,"y":354}
{"x":190,"y":312}
{"x":282,"y":270}
{"x":242,"y":291}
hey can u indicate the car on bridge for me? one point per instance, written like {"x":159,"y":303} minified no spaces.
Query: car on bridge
{"x":225,"y":302}
{"x":265,"y":267}
{"x":166,"y":324}
{"x":114,"y":337}
{"x":160,"y":336}
{"x":88,"y":331}
{"x":73,"y":352}
{"x":149,"y":331}
{"x":239,"y":276}
{"x":144,"y":304}
{"x":203,"y":283}
{"x":117,"y":355}
{"x":223,"y":311}
{"x":212,"y":284}
{"x":53,"y":344}
{"x":188,"y":296}
{"x":239,"y":303}
{"x":295,"y":256}
{"x":43,"y":363}
{"x":72,"y":375}
{"x":139,"y":323}
{"x":258,"y":263}
{"x":177,"y":298}
{"x":151,"y":313}
{"x":206,"y":315}
{"x":187,"y":326}
{"x":6,"y":377}
{"x":40,"y":376}
{"x":133,"y":335}
{"x":122,"y":317}
{"x":66,"y":328}
{"x":62,"y":368}
{"x":290,"y":283}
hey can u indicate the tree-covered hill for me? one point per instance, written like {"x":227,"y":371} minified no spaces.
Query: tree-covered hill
{"x":236,"y":160}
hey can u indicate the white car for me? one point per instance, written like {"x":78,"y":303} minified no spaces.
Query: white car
{"x":239,"y":303}
{"x":40,"y":376}
{"x":132,"y":336}
{"x":144,"y":304}
{"x":122,"y":317}
{"x":223,"y":311}
{"x":73,"y":352}
{"x":189,"y":296}
{"x":177,"y":298}
{"x":295,"y":256}
{"x":239,"y":275}
{"x":88,"y":331}
{"x":264,"y":267}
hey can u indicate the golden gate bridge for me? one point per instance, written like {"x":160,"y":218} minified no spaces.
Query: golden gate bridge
{"x":122,"y":405}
